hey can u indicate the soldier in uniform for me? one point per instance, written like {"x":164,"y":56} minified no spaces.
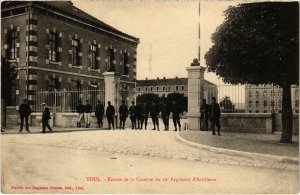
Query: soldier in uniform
{"x":139,"y":116}
{"x":204,"y":110}
{"x":165,"y":112}
{"x":154,"y":112}
{"x":45,"y":117}
{"x":79,"y":109}
{"x":132,"y":113}
{"x":123,"y":111}
{"x":215,"y":114}
{"x":110,"y":114}
{"x":87,"y":113}
{"x":175,"y":109}
{"x":99,"y":112}
{"x":145,"y":113}
{"x":24,"y":111}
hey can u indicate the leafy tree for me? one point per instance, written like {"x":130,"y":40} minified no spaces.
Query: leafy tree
{"x":8,"y":75}
{"x":226,"y":104}
{"x":258,"y":43}
{"x":148,"y":98}
{"x":180,"y":99}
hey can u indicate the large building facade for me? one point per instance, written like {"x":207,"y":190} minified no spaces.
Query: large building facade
{"x":165,"y":86}
{"x":267,"y":98}
{"x":56,"y":46}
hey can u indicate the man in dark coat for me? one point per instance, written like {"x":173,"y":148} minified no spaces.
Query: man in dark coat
{"x":175,"y":109}
{"x":145,"y":113}
{"x":123,"y":111}
{"x":154,"y":112}
{"x":139,"y":116}
{"x":215,"y":114}
{"x":165,"y":112}
{"x":110,"y":114}
{"x":24,"y":111}
{"x":45,"y":117}
{"x":99,"y":112}
{"x":204,"y":110}
{"x":80,"y":110}
{"x":87,"y":113}
{"x":132,"y":114}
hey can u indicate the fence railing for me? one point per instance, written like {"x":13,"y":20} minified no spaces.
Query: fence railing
{"x":67,"y":100}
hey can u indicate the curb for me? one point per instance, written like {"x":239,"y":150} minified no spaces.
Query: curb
{"x":268,"y":157}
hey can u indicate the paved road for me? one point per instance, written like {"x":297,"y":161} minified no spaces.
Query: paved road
{"x":66,"y":159}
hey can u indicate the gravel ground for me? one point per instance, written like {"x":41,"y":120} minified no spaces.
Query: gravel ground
{"x":258,"y":143}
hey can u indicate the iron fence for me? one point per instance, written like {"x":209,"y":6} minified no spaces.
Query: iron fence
{"x":67,"y":100}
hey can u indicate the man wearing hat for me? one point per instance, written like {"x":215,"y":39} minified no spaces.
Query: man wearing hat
{"x":24,"y":111}
{"x":45,"y":117}
{"x":87,"y":113}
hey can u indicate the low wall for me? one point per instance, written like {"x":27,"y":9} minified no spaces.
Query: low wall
{"x":278,"y":123}
{"x":246,"y":122}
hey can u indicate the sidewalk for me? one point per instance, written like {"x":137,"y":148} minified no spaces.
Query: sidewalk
{"x":254,"y":143}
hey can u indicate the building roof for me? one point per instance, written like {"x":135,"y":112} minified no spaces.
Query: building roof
{"x":167,"y":81}
{"x":67,"y":7}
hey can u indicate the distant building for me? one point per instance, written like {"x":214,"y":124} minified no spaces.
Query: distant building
{"x":265,"y":98}
{"x":56,"y":46}
{"x":165,"y":86}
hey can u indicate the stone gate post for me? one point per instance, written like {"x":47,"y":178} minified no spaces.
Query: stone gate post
{"x":195,"y":77}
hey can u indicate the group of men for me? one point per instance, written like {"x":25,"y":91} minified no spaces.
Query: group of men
{"x":211,"y":112}
{"x":139,"y":114}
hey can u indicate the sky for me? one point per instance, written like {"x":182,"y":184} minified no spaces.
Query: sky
{"x":168,"y":31}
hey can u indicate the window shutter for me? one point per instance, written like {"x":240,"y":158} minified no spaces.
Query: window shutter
{"x":71,"y":53}
{"x":47,"y":45}
{"x":57,"y":44}
{"x":6,"y":42}
{"x":79,"y":57}
{"x":90,"y":56}
{"x":98,"y":57}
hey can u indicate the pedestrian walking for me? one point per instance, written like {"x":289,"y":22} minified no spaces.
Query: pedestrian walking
{"x":79,"y":109}
{"x":176,"y":110}
{"x":215,"y":114}
{"x":145,"y":113}
{"x":110,"y":114}
{"x":87,"y":113}
{"x":45,"y":117}
{"x":204,"y":110}
{"x":123,"y":111}
{"x":24,"y":112}
{"x":99,"y":112}
{"x":139,"y":116}
{"x":154,"y":112}
{"x":165,"y":113}
{"x":132,"y":114}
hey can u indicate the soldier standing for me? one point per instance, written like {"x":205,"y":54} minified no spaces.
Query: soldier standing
{"x":87,"y":113}
{"x":165,"y":112}
{"x":45,"y":117}
{"x":175,"y":114}
{"x":132,"y":113}
{"x":139,"y":116}
{"x":204,"y":110}
{"x":215,"y":114}
{"x":79,"y":109}
{"x":145,"y":113}
{"x":99,"y":112}
{"x":24,"y":111}
{"x":154,"y":112}
{"x":123,"y":111}
{"x":110,"y":114}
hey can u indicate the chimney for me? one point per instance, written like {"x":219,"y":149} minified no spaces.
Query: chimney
{"x":146,"y":78}
{"x":157,"y":78}
{"x":176,"y":77}
{"x":164,"y":77}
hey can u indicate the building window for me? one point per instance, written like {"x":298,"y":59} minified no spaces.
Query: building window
{"x":265,"y":103}
{"x":265,"y":93}
{"x":12,"y":44}
{"x":157,"y":88}
{"x":182,"y":87}
{"x":297,"y":104}
{"x":146,"y":89}
{"x":250,"y":111}
{"x":265,"y":111}
{"x":110,"y":59}
{"x":250,"y":94}
{"x":126,"y":64}
{"x":256,"y":111}
{"x":52,"y":84}
{"x":93,"y":55}
{"x":169,"y":88}
{"x":250,"y":104}
{"x":139,"y":89}
{"x":53,"y":47}
{"x":75,"y":52}
{"x":150,"y":88}
{"x":176,"y":88}
{"x":256,"y":103}
{"x":163,"y":88}
{"x":75,"y":85}
{"x":279,"y":103}
{"x":257,"y":94}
